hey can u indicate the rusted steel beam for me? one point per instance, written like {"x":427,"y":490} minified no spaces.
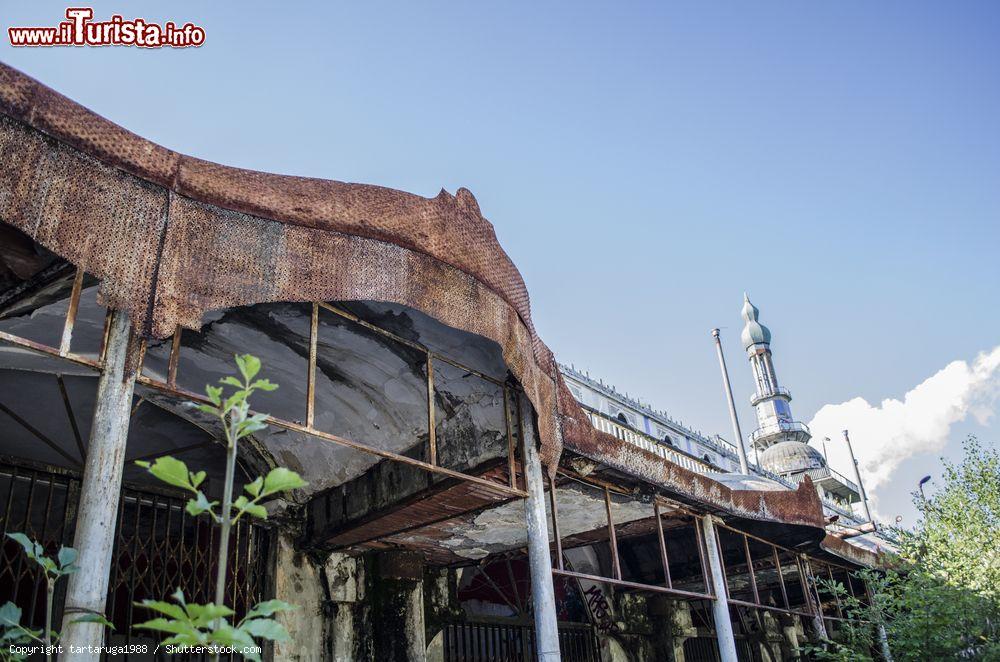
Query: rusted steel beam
{"x":184,"y":394}
{"x":781,"y":577}
{"x":406,"y":341}
{"x":750,"y":570}
{"x":74,"y":306}
{"x":555,"y":522}
{"x":50,"y":351}
{"x":103,"y":354}
{"x":175,"y":356}
{"x":612,"y":537}
{"x":511,"y":469}
{"x":663,"y":544}
{"x":35,"y":432}
{"x":311,"y":384}
{"x":431,"y":416}
{"x":72,"y":417}
{"x":634,"y":585}
{"x":792,"y":612}
{"x":701,"y":558}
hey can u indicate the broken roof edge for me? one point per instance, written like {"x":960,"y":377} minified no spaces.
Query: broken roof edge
{"x":404,"y":219}
{"x":171,"y":237}
{"x":845,"y":551}
{"x":801,"y":506}
{"x":194,"y":236}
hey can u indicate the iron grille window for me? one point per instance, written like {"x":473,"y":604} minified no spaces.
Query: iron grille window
{"x":158,"y":549}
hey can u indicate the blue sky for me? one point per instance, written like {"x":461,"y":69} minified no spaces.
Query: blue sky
{"x":644,"y":163}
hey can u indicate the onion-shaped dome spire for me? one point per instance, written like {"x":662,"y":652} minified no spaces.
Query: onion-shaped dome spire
{"x":754,"y":333}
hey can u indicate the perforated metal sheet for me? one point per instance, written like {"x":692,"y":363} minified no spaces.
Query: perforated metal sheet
{"x":172,"y":237}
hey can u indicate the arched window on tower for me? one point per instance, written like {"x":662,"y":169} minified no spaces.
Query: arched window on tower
{"x":668,"y":440}
{"x":622,"y":417}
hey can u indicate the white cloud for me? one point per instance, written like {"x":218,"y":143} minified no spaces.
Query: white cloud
{"x":885,"y":435}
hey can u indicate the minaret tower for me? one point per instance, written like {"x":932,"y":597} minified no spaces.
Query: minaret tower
{"x":771,"y":402}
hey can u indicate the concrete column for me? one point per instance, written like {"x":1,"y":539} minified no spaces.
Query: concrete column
{"x":720,"y":605}
{"x":399,"y":608}
{"x":100,"y":491}
{"x":542,"y":592}
{"x":883,"y":640}
{"x":790,"y":636}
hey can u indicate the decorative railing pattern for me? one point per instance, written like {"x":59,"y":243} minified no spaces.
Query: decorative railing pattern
{"x":650,"y":444}
{"x":696,"y":464}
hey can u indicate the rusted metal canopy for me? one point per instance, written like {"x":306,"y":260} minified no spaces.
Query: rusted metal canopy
{"x":171,"y":237}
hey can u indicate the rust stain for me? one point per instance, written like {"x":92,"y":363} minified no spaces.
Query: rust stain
{"x":171,"y":237}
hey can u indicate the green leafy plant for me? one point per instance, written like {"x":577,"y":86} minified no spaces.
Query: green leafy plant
{"x":208,"y":624}
{"x":939,"y":597}
{"x":54,"y":569}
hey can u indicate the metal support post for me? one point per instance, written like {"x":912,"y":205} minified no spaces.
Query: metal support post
{"x":539,"y":560}
{"x":100,"y":493}
{"x":744,"y":467}
{"x":857,"y":477}
{"x":720,"y":605}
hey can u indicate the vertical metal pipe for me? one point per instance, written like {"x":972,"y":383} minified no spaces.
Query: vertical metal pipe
{"x":101,"y":490}
{"x":720,"y":604}
{"x":542,"y":590}
{"x":744,"y":467}
{"x":857,"y":477}
{"x":311,"y":375}
{"x":555,"y":522}
{"x":612,"y":537}
{"x":511,"y":467}
{"x":74,"y":306}
{"x":663,"y":544}
{"x":753,"y":578}
{"x":431,"y":416}
{"x":175,"y":357}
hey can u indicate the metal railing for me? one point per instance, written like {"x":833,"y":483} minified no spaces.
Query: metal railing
{"x":773,"y":428}
{"x":650,"y":444}
{"x":695,"y":464}
{"x":827,"y":472}
{"x":757,"y":397}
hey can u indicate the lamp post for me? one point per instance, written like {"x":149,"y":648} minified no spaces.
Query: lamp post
{"x":920,"y":486}
{"x":857,"y":477}
{"x":744,"y":468}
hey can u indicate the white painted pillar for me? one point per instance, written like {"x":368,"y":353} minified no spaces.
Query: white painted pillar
{"x":883,"y":640}
{"x":100,"y":492}
{"x":542,"y":592}
{"x":720,"y":605}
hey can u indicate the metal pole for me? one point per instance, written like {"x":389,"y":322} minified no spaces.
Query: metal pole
{"x":720,"y":605}
{"x":100,"y":492}
{"x":744,"y":468}
{"x":542,"y":592}
{"x":857,"y":477}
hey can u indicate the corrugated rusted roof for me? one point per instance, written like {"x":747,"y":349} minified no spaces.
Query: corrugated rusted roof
{"x":171,"y":237}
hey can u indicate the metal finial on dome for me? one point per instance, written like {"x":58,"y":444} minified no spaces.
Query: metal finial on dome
{"x":754,"y":333}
